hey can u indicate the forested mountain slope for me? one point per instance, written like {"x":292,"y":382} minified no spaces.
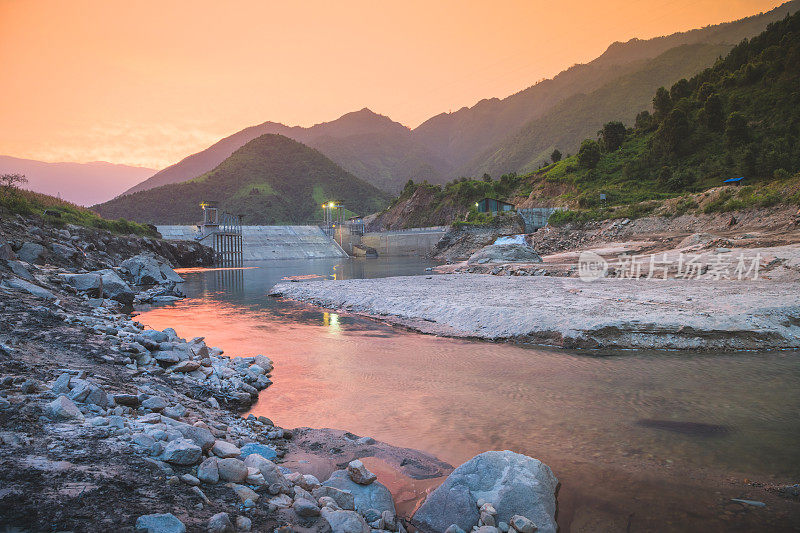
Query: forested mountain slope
{"x":270,"y":180}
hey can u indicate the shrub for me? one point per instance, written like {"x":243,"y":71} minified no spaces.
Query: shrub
{"x":589,"y":154}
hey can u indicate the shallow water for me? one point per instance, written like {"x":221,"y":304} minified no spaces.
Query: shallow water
{"x":640,"y":441}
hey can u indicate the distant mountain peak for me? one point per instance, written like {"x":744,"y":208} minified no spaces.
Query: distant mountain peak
{"x":271,"y":179}
{"x":363,"y":118}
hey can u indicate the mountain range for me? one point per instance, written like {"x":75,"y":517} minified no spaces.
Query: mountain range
{"x":498,"y":136}
{"x":79,"y":183}
{"x":737,"y":119}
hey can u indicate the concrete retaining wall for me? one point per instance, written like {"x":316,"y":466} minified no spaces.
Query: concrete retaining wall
{"x":418,"y":241}
{"x":272,"y":242}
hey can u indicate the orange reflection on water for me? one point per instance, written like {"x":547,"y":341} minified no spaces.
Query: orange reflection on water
{"x":191,"y":270}
{"x":578,"y":414}
{"x":304,"y":352}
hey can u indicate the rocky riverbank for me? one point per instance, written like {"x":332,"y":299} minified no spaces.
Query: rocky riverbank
{"x":106,"y":425}
{"x":619,"y":313}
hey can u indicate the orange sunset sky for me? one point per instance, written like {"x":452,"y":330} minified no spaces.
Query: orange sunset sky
{"x":147,"y":83}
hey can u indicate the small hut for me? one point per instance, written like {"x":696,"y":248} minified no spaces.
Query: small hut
{"x":493,"y":205}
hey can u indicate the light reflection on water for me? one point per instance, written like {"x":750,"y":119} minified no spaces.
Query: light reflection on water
{"x":653,"y":434}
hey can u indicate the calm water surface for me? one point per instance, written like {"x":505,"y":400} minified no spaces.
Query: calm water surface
{"x":640,"y":441}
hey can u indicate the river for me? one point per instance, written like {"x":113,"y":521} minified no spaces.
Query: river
{"x":640,"y":441}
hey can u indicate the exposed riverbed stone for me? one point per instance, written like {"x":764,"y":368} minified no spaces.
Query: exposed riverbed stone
{"x":505,"y":253}
{"x":343,"y":499}
{"x":372,"y":496}
{"x":359,"y":473}
{"x":130,"y":400}
{"x":199,"y":435}
{"x":208,"y":471}
{"x":231,"y":469}
{"x":272,"y":475}
{"x":304,"y":507}
{"x":345,"y":521}
{"x":155,"y":403}
{"x":220,"y":523}
{"x":62,"y":408}
{"x":149,"y":270}
{"x":85,"y":282}
{"x":182,"y":452}
{"x":30,"y":252}
{"x":159,"y":523}
{"x":30,"y":288}
{"x":225,"y":449}
{"x":115,"y":288}
{"x":244,"y":493}
{"x":61,"y":384}
{"x":514,"y":484}
{"x":261,"y":449}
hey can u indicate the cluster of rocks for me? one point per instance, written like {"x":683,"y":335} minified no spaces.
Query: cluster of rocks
{"x":461,"y":241}
{"x":192,"y":444}
{"x":351,"y":501}
{"x":488,"y":522}
{"x":109,"y":270}
{"x":234,"y":381}
{"x":143,"y":278}
{"x":504,"y":253}
{"x":70,"y":247}
{"x":513,"y":269}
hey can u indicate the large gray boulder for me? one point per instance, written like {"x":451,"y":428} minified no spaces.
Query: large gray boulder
{"x":372,"y":496}
{"x":343,"y":499}
{"x":30,"y":252}
{"x":91,"y":282}
{"x":62,"y":408}
{"x":345,"y":521}
{"x":231,"y":469}
{"x":513,"y":483}
{"x":200,"y":436}
{"x":220,"y":523}
{"x":159,"y":523}
{"x":149,"y":270}
{"x":272,"y":475}
{"x":115,"y":288}
{"x":19,"y":269}
{"x":64,"y":252}
{"x":182,"y":452}
{"x":504,"y":253}
{"x":88,"y":392}
{"x":30,"y":288}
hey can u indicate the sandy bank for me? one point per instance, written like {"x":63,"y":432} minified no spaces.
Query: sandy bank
{"x":620,"y":313}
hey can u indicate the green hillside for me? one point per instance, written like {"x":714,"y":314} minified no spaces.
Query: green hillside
{"x":581,"y":115}
{"x":739,"y":118}
{"x":270,"y":180}
{"x":468,"y":137}
{"x":59,"y":212}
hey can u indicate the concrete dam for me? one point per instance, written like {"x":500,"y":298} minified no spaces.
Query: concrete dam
{"x":271,"y":242}
{"x":311,"y":242}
